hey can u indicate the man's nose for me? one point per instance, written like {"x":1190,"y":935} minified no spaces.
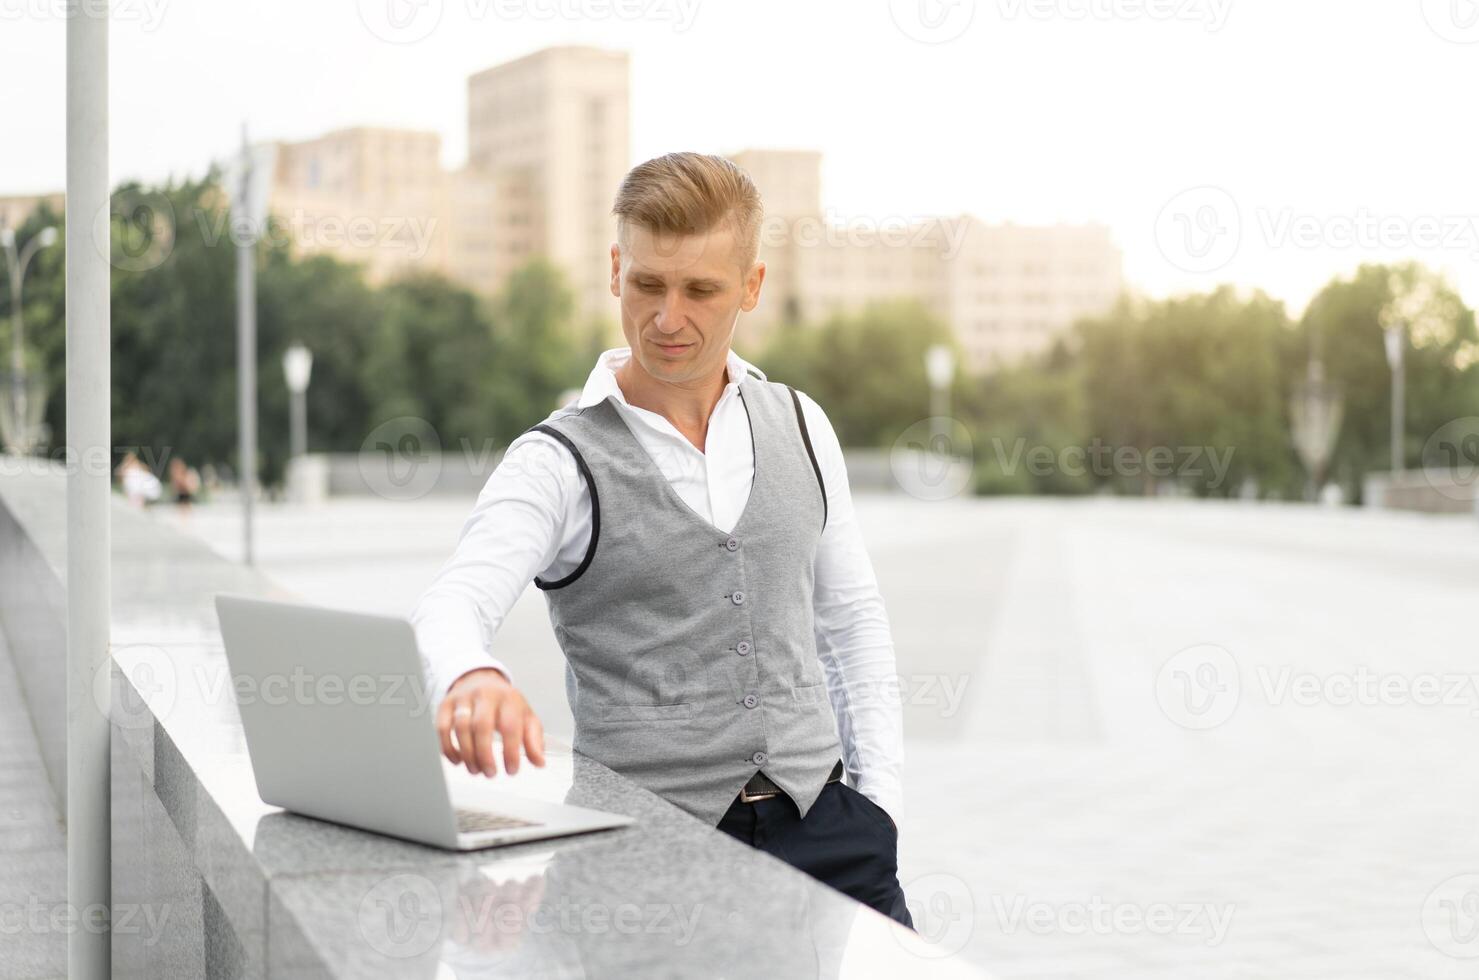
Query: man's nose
{"x":673,"y":314}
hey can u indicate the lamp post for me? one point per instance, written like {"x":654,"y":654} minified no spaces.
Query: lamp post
{"x":939,"y":367}
{"x":20,"y":436}
{"x":297,"y":367}
{"x":1315,"y":411}
{"x":1396,"y":342}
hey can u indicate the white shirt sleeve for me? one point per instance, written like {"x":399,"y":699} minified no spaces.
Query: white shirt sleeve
{"x":517,"y":528}
{"x":853,"y":638}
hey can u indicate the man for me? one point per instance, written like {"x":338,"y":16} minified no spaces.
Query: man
{"x":691,"y":527}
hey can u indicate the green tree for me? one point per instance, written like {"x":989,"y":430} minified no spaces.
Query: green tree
{"x":1344,"y":323}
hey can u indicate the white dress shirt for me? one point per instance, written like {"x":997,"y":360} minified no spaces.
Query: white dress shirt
{"x":534,"y":517}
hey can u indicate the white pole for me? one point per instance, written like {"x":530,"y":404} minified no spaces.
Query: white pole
{"x":88,"y":486}
{"x":246,"y":351}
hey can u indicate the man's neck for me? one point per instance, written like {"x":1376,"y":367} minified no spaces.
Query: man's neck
{"x":688,"y":405}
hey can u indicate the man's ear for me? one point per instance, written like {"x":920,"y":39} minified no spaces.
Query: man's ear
{"x":753,"y":280}
{"x":615,"y":268}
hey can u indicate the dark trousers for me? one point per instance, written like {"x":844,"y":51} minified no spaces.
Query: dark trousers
{"x":846,"y":841}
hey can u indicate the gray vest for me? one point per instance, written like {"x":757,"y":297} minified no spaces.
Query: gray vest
{"x":691,"y":657}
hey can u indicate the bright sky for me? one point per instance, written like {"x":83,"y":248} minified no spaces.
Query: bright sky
{"x":1269,"y":143}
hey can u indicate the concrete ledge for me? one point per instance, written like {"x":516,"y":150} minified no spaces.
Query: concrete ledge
{"x":210,"y":881}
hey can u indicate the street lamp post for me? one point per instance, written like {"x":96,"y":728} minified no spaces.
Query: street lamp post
{"x":297,"y":367}
{"x":939,"y":367}
{"x":1395,"y":337}
{"x":21,"y":438}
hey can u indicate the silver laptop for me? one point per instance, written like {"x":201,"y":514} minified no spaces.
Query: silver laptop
{"x":338,"y":728}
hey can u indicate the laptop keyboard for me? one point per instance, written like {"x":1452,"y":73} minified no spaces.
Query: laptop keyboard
{"x":481,"y":821}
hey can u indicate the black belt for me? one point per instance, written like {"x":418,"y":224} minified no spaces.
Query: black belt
{"x":761,"y":788}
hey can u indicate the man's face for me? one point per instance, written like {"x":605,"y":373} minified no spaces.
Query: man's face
{"x":680,"y":296}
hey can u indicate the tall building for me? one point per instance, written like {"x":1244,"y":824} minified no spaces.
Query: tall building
{"x":547,"y":148}
{"x":15,"y":209}
{"x":1006,"y":291}
{"x":368,"y":195}
{"x":551,"y":132}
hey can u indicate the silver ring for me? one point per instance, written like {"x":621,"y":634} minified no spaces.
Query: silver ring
{"x":462,"y":711}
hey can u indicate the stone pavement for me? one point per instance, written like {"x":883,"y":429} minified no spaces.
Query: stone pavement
{"x":33,"y":847}
{"x":1144,"y":738}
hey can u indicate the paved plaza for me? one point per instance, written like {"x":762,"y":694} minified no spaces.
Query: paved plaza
{"x":1144,"y":738}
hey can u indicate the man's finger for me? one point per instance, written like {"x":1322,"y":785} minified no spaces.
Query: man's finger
{"x":484,"y":714}
{"x":462,"y":722}
{"x":510,"y":729}
{"x":444,"y":731}
{"x":534,"y":738}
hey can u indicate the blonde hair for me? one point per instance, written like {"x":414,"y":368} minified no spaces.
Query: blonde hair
{"x":689,"y":194}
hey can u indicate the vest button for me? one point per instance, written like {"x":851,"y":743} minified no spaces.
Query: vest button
{"x":759,"y":758}
{"x":742,"y":648}
{"x":732,"y":544}
{"x":738,"y":598}
{"x":751,"y":700}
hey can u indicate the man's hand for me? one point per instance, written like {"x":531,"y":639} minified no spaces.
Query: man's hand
{"x":478,"y":704}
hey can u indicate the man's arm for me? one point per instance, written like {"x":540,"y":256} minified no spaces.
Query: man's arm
{"x":852,"y":634}
{"x":515,"y":530}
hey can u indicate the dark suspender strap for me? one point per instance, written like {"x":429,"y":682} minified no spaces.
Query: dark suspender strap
{"x":590,"y":552}
{"x":806,"y":438}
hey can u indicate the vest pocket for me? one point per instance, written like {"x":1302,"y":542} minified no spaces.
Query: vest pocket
{"x":809,"y":694}
{"x":616,"y":714}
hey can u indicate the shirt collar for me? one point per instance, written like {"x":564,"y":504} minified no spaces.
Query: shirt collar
{"x":602,"y":381}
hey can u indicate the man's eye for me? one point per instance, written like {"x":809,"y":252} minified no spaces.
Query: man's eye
{"x":702,"y":292}
{"x":649,"y":287}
